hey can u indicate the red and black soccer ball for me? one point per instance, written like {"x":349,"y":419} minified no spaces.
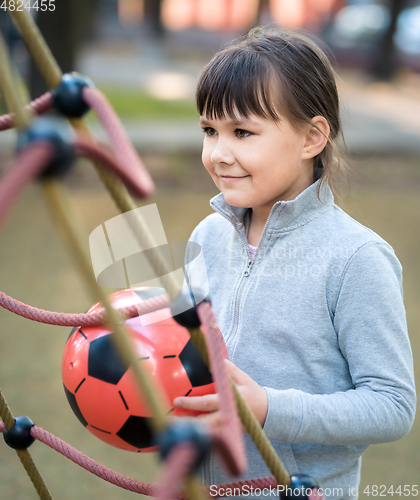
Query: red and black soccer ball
{"x":101,"y":390}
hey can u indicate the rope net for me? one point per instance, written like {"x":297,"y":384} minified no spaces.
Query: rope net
{"x":122,"y":171}
{"x":180,"y":467}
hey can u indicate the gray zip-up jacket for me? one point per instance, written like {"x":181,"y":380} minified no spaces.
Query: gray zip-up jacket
{"x":316,"y":318}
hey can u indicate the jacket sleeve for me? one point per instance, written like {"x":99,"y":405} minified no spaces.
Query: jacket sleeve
{"x":370,"y":323}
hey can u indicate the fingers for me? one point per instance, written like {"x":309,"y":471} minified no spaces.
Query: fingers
{"x":210,"y":402}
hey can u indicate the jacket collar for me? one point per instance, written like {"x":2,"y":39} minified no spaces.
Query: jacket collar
{"x":284,"y":215}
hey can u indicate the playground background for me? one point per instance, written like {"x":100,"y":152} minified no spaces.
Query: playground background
{"x":135,"y":70}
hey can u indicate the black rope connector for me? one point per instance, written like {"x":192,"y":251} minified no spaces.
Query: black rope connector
{"x":19,"y":436}
{"x":67,"y":98}
{"x":300,"y":487}
{"x":184,"y":307}
{"x":59,"y":133}
{"x":186,"y":432}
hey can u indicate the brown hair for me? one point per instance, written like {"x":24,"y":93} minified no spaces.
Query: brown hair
{"x":271,"y":72}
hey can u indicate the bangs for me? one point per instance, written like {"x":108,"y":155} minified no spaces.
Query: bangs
{"x":238,"y":82}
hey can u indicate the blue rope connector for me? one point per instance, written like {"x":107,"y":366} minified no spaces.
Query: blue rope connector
{"x":185,"y":432}
{"x":19,"y":436}
{"x":184,"y":308}
{"x":301,"y":485}
{"x":59,"y":133}
{"x":67,"y":97}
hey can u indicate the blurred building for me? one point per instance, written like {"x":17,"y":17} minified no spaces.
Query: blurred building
{"x":231,"y":15}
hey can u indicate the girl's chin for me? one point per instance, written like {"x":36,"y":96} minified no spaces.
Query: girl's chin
{"x":235,"y":201}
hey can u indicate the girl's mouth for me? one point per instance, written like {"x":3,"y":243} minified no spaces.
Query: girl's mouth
{"x":229,"y":178}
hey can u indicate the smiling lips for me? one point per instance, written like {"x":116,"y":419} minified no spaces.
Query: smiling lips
{"x":230,"y":178}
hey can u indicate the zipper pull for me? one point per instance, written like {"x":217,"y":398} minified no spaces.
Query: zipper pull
{"x":248,"y":269}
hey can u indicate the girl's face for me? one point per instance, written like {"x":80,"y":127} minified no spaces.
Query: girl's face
{"x":256,"y":161}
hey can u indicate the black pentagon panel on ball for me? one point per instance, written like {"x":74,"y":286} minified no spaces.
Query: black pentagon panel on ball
{"x":104,"y":362}
{"x":19,"y":436}
{"x":193,"y":363}
{"x":137,"y":431}
{"x":71,"y":398}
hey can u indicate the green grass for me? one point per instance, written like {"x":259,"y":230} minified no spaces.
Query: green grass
{"x":35,"y":268}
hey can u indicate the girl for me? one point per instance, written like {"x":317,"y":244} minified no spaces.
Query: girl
{"x":308,"y":300}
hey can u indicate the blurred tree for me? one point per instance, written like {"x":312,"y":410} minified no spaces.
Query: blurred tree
{"x":262,"y":7}
{"x":385,"y":63}
{"x":153,"y":18}
{"x":64,"y":29}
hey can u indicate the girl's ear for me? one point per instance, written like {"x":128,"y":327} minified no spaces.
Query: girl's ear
{"x":317,"y":135}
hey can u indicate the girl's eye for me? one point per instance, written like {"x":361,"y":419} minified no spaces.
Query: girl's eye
{"x":209,"y":131}
{"x":242,"y":133}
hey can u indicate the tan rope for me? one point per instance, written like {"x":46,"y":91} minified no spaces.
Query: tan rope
{"x":34,"y":474}
{"x":194,"y":489}
{"x":114,"y":186}
{"x":249,"y":421}
{"x":260,"y":440}
{"x":22,"y":118}
{"x":52,"y":74}
{"x":37,"y":46}
{"x":12,"y":98}
{"x":69,"y":224}
{"x":5,"y":413}
{"x":136,"y":221}
{"x":24,"y":455}
{"x":200,"y":342}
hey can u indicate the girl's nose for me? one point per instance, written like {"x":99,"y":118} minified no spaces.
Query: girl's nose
{"x":222,"y":154}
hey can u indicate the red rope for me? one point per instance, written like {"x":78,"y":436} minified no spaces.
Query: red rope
{"x":130,"y":484}
{"x":129,"y":167}
{"x":91,"y":465}
{"x":39,"y":106}
{"x":123,"y":481}
{"x":87,"y":319}
{"x":121,"y":167}
{"x":23,"y":169}
{"x":126,"y":163}
{"x":134,"y":170}
{"x":230,"y":443}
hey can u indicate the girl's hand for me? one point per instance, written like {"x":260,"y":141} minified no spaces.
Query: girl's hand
{"x":254,"y":395}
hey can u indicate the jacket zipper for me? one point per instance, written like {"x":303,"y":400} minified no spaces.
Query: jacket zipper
{"x":245,"y":274}
{"x":207,"y":466}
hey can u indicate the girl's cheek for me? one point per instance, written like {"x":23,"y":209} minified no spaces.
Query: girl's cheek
{"x":208,"y":165}
{"x":205,"y":157}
